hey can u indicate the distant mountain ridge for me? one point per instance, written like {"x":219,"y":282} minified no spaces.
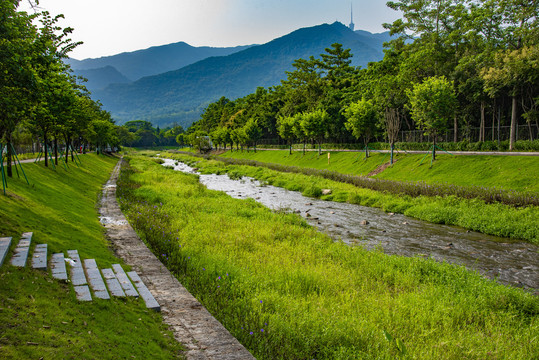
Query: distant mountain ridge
{"x":152,"y":61}
{"x":180,"y":95}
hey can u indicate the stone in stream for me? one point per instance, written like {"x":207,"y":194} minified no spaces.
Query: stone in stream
{"x":364,"y":222}
{"x":326,"y":191}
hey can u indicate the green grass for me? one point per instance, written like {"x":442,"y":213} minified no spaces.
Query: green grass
{"x":287,"y":291}
{"x":494,"y":219}
{"x":508,"y":172}
{"x":40,"y":317}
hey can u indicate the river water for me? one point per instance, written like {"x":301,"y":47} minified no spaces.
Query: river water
{"x":511,"y":262}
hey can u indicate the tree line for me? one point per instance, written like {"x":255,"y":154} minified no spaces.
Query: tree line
{"x":40,"y":98}
{"x":452,"y":65}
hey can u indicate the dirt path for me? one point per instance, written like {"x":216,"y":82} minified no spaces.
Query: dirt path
{"x":203,"y":336}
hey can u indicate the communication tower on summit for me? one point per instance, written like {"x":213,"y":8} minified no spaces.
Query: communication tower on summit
{"x":351,"y":26}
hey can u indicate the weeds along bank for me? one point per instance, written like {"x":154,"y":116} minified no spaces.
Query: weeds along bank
{"x":287,"y":291}
{"x":41,"y":318}
{"x":473,"y":214}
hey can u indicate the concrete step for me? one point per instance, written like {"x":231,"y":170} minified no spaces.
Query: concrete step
{"x":112,"y":283}
{"x":5,"y":243}
{"x":39,"y":259}
{"x":128,"y":288}
{"x":96,"y":281}
{"x":58,"y":267}
{"x":145,"y":294}
{"x":21,"y":251}
{"x":78,"y":277}
{"x":83,"y":293}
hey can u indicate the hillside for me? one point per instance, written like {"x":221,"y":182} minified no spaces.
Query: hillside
{"x":179,"y":96}
{"x":154,"y":60}
{"x":101,"y":77}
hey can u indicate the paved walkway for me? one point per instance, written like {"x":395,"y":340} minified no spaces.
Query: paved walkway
{"x":193,"y":326}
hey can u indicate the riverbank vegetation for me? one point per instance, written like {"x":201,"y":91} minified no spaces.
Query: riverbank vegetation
{"x":41,"y":318}
{"x":287,"y":291}
{"x":473,"y":213}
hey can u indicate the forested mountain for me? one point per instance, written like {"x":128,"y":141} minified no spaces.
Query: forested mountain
{"x":180,"y":96}
{"x":101,"y":77}
{"x":152,"y":61}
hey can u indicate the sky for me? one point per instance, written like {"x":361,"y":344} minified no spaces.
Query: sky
{"x":109,"y":27}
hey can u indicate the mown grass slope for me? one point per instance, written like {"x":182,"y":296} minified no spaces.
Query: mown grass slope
{"x":508,"y":172}
{"x":40,"y":317}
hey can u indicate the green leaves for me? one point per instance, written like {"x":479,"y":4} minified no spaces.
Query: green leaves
{"x":432,"y":104}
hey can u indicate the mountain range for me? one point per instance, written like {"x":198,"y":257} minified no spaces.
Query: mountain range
{"x":179,"y":96}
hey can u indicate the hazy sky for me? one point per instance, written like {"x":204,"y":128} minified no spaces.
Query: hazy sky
{"x":108,"y":27}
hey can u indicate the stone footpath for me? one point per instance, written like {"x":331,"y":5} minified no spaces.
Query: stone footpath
{"x":193,"y":326}
{"x":85,"y":277}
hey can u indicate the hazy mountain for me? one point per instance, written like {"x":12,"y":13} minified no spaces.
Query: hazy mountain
{"x":154,"y":60}
{"x":102,"y":77}
{"x":180,"y":95}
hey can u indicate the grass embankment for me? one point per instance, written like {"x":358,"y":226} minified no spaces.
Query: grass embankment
{"x":517,"y":173}
{"x":40,"y":317}
{"x":287,"y":291}
{"x":474,"y":214}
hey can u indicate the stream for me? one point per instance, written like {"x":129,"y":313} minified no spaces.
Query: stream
{"x":509,"y":261}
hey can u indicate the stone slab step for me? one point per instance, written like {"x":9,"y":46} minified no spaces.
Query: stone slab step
{"x":39,"y":259}
{"x":112,"y":283}
{"x":145,"y":294}
{"x":128,"y":288}
{"x":96,"y":281}
{"x":58,"y":267}
{"x":77,"y":272}
{"x":83,"y":293}
{"x":5,"y":243}
{"x":21,"y":251}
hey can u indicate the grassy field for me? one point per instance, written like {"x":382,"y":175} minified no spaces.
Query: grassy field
{"x":474,"y":214}
{"x":508,"y":172}
{"x":41,"y":318}
{"x":287,"y":291}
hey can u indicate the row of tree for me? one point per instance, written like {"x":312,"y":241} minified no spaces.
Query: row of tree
{"x":38,"y":93}
{"x":453,"y":64}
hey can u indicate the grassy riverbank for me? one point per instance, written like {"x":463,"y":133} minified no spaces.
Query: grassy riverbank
{"x":41,"y":318}
{"x":287,"y":291}
{"x":474,"y":214}
{"x":517,"y":173}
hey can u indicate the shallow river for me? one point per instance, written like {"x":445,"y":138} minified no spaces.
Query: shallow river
{"x":511,"y":262}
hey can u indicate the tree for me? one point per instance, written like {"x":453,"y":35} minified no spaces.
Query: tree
{"x":314,"y":125}
{"x":252,"y":132}
{"x":17,"y":76}
{"x":432,"y":105}
{"x":285,"y":128}
{"x":362,"y":121}
{"x":517,"y":71}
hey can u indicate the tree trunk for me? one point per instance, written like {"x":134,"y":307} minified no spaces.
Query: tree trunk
{"x":434,"y":148}
{"x":290,"y":149}
{"x":455,"y":129}
{"x":391,"y":156}
{"x":482,"y":124}
{"x":499,"y":124}
{"x":366,"y":150}
{"x":46,"y":149}
{"x":9,"y":156}
{"x":55,"y":151}
{"x":512,"y":134}
{"x":530,"y":129}
{"x":493,"y":119}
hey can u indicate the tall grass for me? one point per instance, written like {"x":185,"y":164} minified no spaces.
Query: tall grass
{"x":287,"y":291}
